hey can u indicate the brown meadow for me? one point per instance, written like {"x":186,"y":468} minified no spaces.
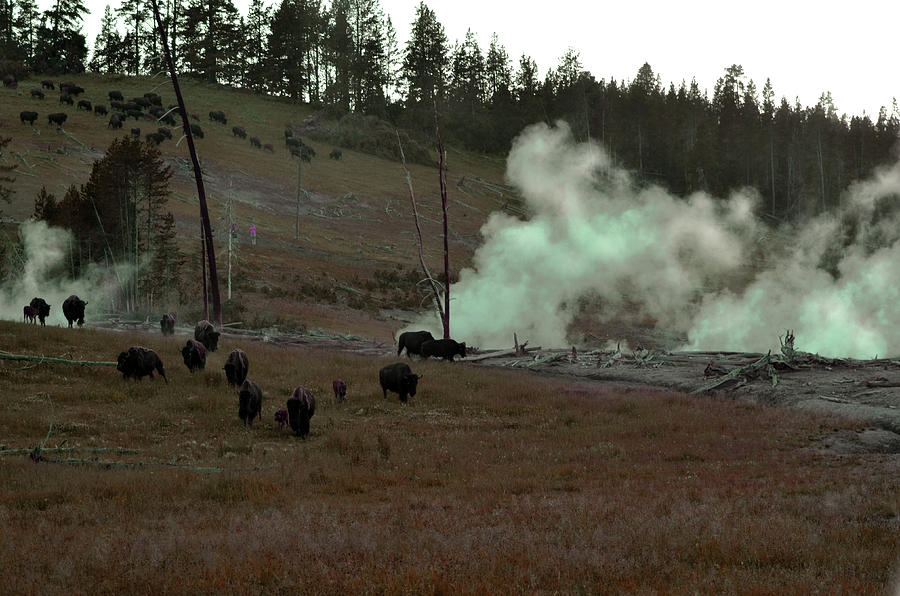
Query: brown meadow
{"x":487,"y":481}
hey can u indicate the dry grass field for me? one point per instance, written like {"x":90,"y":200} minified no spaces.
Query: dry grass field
{"x":488,"y":481}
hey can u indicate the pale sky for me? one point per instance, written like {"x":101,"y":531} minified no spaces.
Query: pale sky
{"x":805,"y":47}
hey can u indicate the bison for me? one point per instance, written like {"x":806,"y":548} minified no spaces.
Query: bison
{"x":42,"y":308}
{"x":10,"y":81}
{"x":301,"y":406}
{"x":281,"y":417}
{"x":136,"y":133}
{"x":167,"y":323}
{"x":139,"y":362}
{"x":239,"y":131}
{"x":206,"y":334}
{"x":58,"y":118}
{"x":399,"y":379}
{"x":268,"y":147}
{"x":154,"y":138}
{"x":218,"y":116}
{"x":236,"y":367}
{"x":336,"y":154}
{"x":340,"y":390}
{"x":84,"y":104}
{"x":29,"y":314}
{"x":115,"y":121}
{"x":443,"y":348}
{"x":196,"y":130}
{"x":249,"y":402}
{"x":66,"y":98}
{"x":194,"y":355}
{"x":100,"y":110}
{"x":412,"y":341}
{"x":153,"y":98}
{"x":116,"y":95}
{"x":256,"y":142}
{"x":47,"y":84}
{"x":164,"y":132}
{"x":73,"y":309}
{"x":28,"y":117}
{"x":37,"y":93}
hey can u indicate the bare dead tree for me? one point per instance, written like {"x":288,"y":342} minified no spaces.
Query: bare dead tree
{"x":198,"y":175}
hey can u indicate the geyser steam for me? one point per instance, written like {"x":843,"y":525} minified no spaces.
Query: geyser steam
{"x":599,"y":237}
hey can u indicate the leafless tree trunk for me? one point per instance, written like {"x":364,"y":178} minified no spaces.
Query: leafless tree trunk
{"x":442,"y":175}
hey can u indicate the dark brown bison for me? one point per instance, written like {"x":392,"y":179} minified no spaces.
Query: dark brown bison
{"x":239,"y":131}
{"x":100,"y":110}
{"x":66,"y":98}
{"x":206,"y":334}
{"x":84,"y":104}
{"x":47,"y":84}
{"x":196,"y":130}
{"x":28,"y":117}
{"x":340,"y":390}
{"x":29,"y":314}
{"x":301,"y":406}
{"x":256,"y":142}
{"x":139,"y":362}
{"x":164,"y":132}
{"x":412,"y":341}
{"x":154,"y":138}
{"x":443,"y":348}
{"x":268,"y":147}
{"x":73,"y":309}
{"x":42,"y":308}
{"x":37,"y":93}
{"x":218,"y":116}
{"x":115,"y":121}
{"x":10,"y":81}
{"x":116,"y":95}
{"x":194,"y":355}
{"x":336,"y":154}
{"x":249,"y":402}
{"x":136,"y":132}
{"x":236,"y":367}
{"x":59,"y":118}
{"x":167,"y":323}
{"x":399,"y":379}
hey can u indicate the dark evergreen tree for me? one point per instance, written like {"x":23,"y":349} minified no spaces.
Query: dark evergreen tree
{"x":209,"y":38}
{"x":425,"y":63}
{"x":294,"y":27}
{"x":61,"y":47}
{"x":108,"y":48}
{"x":257,"y":27}
{"x":497,"y":71}
{"x":26,"y":24}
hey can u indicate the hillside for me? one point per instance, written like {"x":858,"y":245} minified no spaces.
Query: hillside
{"x":356,"y":256}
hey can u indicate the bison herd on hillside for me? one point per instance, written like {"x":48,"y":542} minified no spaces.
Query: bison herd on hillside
{"x":138,"y":362}
{"x":148,"y":108}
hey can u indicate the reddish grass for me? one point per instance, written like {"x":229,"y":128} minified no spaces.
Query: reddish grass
{"x":488,"y":481}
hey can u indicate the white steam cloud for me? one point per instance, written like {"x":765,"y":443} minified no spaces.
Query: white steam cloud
{"x":44,"y":265}
{"x":643,"y":252}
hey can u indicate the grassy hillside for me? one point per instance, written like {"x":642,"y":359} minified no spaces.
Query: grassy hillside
{"x":487,"y":481}
{"x":356,"y":230}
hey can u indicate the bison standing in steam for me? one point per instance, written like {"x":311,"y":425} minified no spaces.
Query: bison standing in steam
{"x":236,"y":367}
{"x":29,"y":314}
{"x":206,"y":334}
{"x":167,"y":323}
{"x":139,"y":362}
{"x":249,"y":402}
{"x":42,"y":308}
{"x":399,"y":379}
{"x":443,"y":348}
{"x":412,"y":341}
{"x":194,"y":355}
{"x":301,"y":406}
{"x":73,"y":309}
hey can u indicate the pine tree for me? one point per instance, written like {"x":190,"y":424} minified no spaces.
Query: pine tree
{"x":136,"y":16}
{"x":392,"y":62}
{"x":258,"y":27}
{"x":26,"y":23}
{"x":467,"y":73}
{"x":107,"y":47}
{"x":209,"y":38}
{"x":497,"y":71}
{"x":8,"y":44}
{"x":61,"y":46}
{"x":425,"y":63}
{"x":294,"y":26}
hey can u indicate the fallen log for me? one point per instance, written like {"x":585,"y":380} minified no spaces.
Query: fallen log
{"x":8,"y":356}
{"x":500,"y":354}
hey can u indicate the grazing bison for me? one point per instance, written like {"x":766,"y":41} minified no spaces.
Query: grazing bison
{"x":399,"y":379}
{"x":206,"y":334}
{"x":42,"y":308}
{"x":66,"y":98}
{"x":236,"y":367}
{"x":239,"y":131}
{"x":336,"y":154}
{"x":249,"y":402}
{"x":115,"y":121}
{"x":256,"y":142}
{"x":164,"y":132}
{"x":37,"y":93}
{"x":131,"y":105}
{"x":154,"y":138}
{"x":84,"y":104}
{"x":196,"y":130}
{"x":268,"y":147}
{"x":116,"y":95}
{"x":28,"y":117}
{"x":294,"y":142}
{"x":29,"y":314}
{"x":194,"y":355}
{"x":100,"y":110}
{"x":141,"y":101}
{"x":167,"y":323}
{"x":153,"y":98}
{"x":47,"y":84}
{"x":117,"y":105}
{"x":412,"y":341}
{"x":443,"y":348}
{"x":168,"y":119}
{"x":139,"y":362}
{"x":58,"y":118}
{"x":73,"y":309}
{"x":136,"y":114}
{"x":74,"y":90}
{"x":301,"y":406}
{"x":218,"y":116}
{"x":136,"y":132}
{"x":340,"y":390}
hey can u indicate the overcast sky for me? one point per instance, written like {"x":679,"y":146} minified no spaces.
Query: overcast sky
{"x":804,"y":47}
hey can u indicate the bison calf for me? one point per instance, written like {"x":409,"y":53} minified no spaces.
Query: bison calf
{"x":29,"y":314}
{"x":399,"y":379}
{"x":236,"y":367}
{"x":249,"y":402}
{"x":340,"y":390}
{"x":443,"y":348}
{"x":301,"y":406}
{"x":194,"y":355}
{"x":139,"y":362}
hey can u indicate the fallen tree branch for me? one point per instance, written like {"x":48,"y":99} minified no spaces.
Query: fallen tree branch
{"x":9,"y":356}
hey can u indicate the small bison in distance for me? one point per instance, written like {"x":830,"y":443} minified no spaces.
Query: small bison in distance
{"x":412,"y":341}
{"x":47,"y":84}
{"x":28,"y":117}
{"x":301,"y":406}
{"x":444,"y":348}
{"x":249,"y":402}
{"x":29,"y":314}
{"x":167,"y":323}
{"x":399,"y":379}
{"x":73,"y":309}
{"x":239,"y":131}
{"x":37,"y":93}
{"x":218,"y":116}
{"x":58,"y":118}
{"x":42,"y":308}
{"x":236,"y":367}
{"x":194,"y":355}
{"x":139,"y":362}
{"x":196,"y":130}
{"x":100,"y":110}
{"x":206,"y":334}
{"x":336,"y":154}
{"x":84,"y":104}
{"x":340,"y":390}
